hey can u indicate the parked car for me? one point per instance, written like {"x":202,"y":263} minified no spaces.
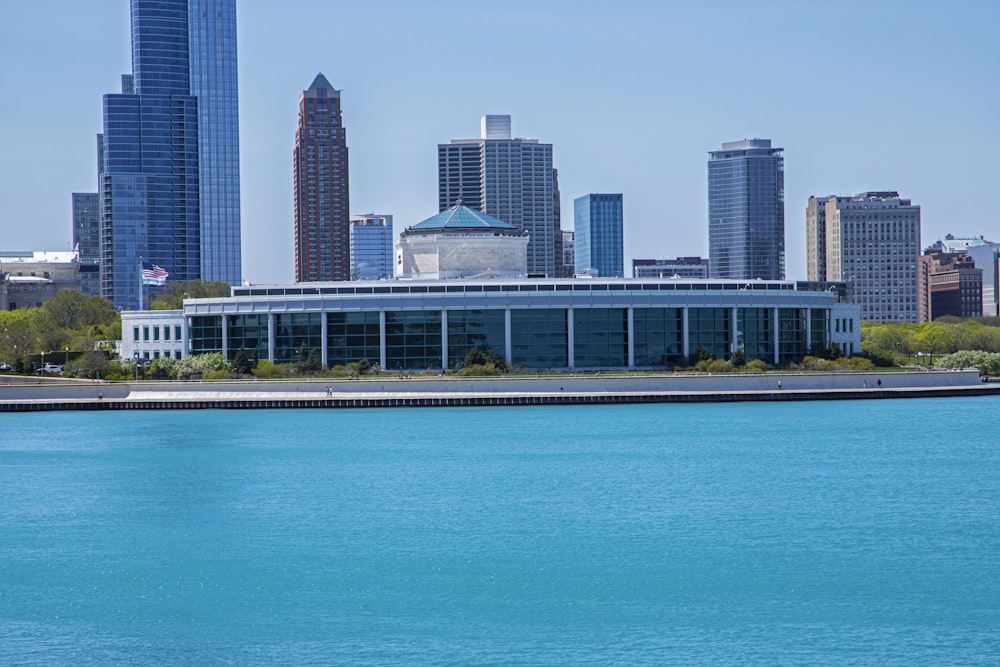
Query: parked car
{"x":4,"y":366}
{"x":52,"y":368}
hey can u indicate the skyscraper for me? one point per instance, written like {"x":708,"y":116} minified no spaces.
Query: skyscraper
{"x":87,"y":241}
{"x":598,"y":233}
{"x":169,"y":153}
{"x":510,"y":179}
{"x":816,"y":238}
{"x":873,"y":242}
{"x":746,"y":211}
{"x":322,"y":233}
{"x":371,"y":247}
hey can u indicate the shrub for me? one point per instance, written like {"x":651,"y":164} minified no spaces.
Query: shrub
{"x":861,"y":364}
{"x":755,"y":366}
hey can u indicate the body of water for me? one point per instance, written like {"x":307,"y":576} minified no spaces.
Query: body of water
{"x":793,"y":533}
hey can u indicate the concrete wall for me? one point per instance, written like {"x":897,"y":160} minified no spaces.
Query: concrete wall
{"x":33,"y":389}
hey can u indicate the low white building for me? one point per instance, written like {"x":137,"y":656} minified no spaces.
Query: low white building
{"x":461,"y":243}
{"x":151,"y":334}
{"x":28,"y":279}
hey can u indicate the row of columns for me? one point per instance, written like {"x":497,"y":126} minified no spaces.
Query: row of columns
{"x":570,"y":332}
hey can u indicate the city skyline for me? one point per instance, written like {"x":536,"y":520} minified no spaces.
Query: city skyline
{"x":637,"y":118}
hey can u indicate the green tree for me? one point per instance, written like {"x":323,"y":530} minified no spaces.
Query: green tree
{"x":173,"y":293}
{"x":242,"y":363}
{"x":200,"y":364}
{"x":738,"y":360}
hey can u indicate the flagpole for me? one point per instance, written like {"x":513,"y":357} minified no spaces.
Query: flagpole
{"x":140,"y":282}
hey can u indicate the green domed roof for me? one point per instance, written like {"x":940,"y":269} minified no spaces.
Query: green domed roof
{"x":461,"y":217}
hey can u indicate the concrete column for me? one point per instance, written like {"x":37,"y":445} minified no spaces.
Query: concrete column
{"x":272,"y":331}
{"x":322,"y":338}
{"x":777,"y":336}
{"x":381,"y":338}
{"x":685,"y":334}
{"x":735,"y":334}
{"x":570,"y":333}
{"x":444,"y":339}
{"x":507,"y":343}
{"x":809,"y":329}
{"x":630,"y":323}
{"x":225,"y":335}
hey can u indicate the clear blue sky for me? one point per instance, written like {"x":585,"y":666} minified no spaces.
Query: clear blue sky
{"x":861,"y":95}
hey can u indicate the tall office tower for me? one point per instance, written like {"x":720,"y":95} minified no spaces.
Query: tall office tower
{"x":169,"y":154}
{"x":510,"y":179}
{"x":322,"y":206}
{"x":987,"y":258}
{"x":557,"y":242}
{"x":371,"y":247}
{"x":598,"y":234}
{"x":746,"y":211}
{"x":873,"y":242}
{"x":87,"y":241}
{"x":816,"y":238}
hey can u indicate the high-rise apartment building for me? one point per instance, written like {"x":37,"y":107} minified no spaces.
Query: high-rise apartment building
{"x":371,"y":247}
{"x":169,"y":152}
{"x":816,"y":238}
{"x":322,"y":231}
{"x":568,"y":254}
{"x":746,"y":211}
{"x":873,"y":242}
{"x":598,"y":235}
{"x":87,"y":241}
{"x":510,"y":179}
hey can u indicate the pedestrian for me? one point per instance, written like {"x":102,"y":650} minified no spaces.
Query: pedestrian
{"x":879,"y":383}
{"x":864,"y":384}
{"x":779,"y":385}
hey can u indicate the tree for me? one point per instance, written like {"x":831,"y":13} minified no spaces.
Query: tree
{"x":173,"y":294}
{"x":738,"y":360}
{"x":20,"y":334}
{"x":66,"y":309}
{"x":242,"y":364}
{"x":483,"y":361}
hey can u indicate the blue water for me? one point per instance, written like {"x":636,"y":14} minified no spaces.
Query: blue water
{"x":796,"y":533}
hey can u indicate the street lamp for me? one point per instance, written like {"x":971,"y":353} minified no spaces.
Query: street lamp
{"x":66,"y":363}
{"x":137,"y":365}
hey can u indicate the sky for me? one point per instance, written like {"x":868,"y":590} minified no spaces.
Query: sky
{"x":876,"y":95}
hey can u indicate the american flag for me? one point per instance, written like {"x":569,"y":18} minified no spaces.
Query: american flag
{"x":153,"y":274}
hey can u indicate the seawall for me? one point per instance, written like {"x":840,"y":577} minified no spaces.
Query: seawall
{"x":35,"y":394}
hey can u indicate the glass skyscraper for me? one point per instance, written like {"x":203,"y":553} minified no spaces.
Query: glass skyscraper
{"x":598,"y":234}
{"x":746,"y":211}
{"x":169,"y":153}
{"x":87,"y":241}
{"x":371,"y":247}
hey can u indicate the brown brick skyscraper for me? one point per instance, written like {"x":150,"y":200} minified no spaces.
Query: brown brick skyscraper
{"x":322,"y":231}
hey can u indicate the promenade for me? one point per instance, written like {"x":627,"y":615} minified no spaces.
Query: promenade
{"x":29,"y":394}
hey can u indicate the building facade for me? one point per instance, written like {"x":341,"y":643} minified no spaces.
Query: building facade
{"x":322,"y":218}
{"x":169,"y":152}
{"x":680,"y":267}
{"x":371,"y":247}
{"x":511,"y":179}
{"x":568,"y":254}
{"x":873,"y":242}
{"x":816,"y":238}
{"x":461,"y":242}
{"x":987,"y":257}
{"x":598,"y":234}
{"x":746,"y":211}
{"x":536,"y":324}
{"x":87,"y":241}
{"x":29,"y":279}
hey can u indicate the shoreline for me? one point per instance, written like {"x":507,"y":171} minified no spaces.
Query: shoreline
{"x":52,"y":394}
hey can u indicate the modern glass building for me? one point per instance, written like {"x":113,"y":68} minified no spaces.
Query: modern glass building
{"x":169,"y":153}
{"x":746,"y":211}
{"x":371,"y":247}
{"x":535,"y":324}
{"x":87,"y":241}
{"x":322,"y":194}
{"x":598,"y":234}
{"x":511,"y":179}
